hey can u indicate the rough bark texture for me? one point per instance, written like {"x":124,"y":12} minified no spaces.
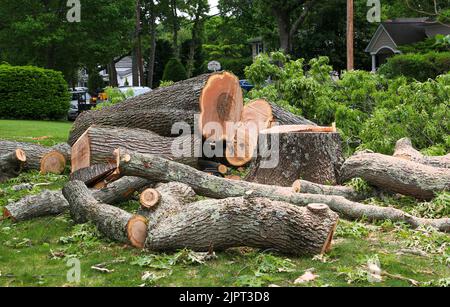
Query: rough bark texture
{"x":34,"y":152}
{"x":111,"y":221}
{"x":254,"y":222}
{"x":11,"y":164}
{"x":49,"y":203}
{"x":217,"y":99}
{"x":405,"y":150}
{"x":397,"y":175}
{"x":284,"y":117}
{"x":93,"y":174}
{"x":315,"y":157}
{"x":97,"y":144}
{"x":160,"y":169}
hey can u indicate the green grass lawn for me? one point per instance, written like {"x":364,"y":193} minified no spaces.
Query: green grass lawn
{"x":43,"y":132}
{"x":36,"y":253}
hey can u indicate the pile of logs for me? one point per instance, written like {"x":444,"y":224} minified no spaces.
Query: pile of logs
{"x":182,"y":142}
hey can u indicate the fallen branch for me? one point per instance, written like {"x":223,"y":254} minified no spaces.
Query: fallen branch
{"x":397,"y":175}
{"x":160,"y":169}
{"x":405,"y":150}
{"x":49,"y":203}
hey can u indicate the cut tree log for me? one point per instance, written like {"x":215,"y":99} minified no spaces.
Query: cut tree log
{"x":254,"y":222}
{"x":113,"y":222}
{"x":149,"y":198}
{"x":216,"y":98}
{"x":303,"y":186}
{"x":212,"y":224}
{"x":159,"y":169}
{"x":397,"y":175}
{"x":49,"y":203}
{"x":94,"y":174}
{"x":212,"y":167}
{"x":257,"y":116}
{"x":286,"y":155}
{"x":43,"y":159}
{"x":96,"y":145}
{"x":405,"y":150}
{"x":11,"y":164}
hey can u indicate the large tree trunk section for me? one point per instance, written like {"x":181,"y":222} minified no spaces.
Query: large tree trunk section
{"x":257,"y":116}
{"x":216,"y":98}
{"x":11,"y":164}
{"x":115,"y":223}
{"x":49,"y":203}
{"x":159,"y":169}
{"x":405,"y":150}
{"x":397,"y":175}
{"x":253,"y":222}
{"x":43,"y":159}
{"x":290,"y":155}
{"x":97,"y":144}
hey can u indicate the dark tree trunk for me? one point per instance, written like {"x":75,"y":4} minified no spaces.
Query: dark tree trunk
{"x":151,"y":57}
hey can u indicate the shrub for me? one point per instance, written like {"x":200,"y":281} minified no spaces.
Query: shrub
{"x":28,"y":92}
{"x":417,"y":66}
{"x":174,"y":71}
{"x":370,"y":110}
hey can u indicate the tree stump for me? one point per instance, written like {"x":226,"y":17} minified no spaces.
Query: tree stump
{"x":289,"y":153}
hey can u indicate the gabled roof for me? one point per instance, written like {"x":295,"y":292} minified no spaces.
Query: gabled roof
{"x":404,"y":31}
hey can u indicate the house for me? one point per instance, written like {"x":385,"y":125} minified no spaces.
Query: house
{"x":124,"y":69}
{"x":401,"y":31}
{"x":258,"y":46}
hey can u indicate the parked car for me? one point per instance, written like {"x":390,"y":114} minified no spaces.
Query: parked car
{"x":246,"y":85}
{"x":81,"y":101}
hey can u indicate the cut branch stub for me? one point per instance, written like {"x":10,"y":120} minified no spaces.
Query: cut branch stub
{"x":149,"y":198}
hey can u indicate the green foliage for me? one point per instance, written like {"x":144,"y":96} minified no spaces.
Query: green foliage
{"x":32,"y":93}
{"x":359,"y":185}
{"x":416,"y":65}
{"x":166,"y":83}
{"x":439,"y":207}
{"x":114,"y":96}
{"x":347,"y":229}
{"x":370,"y":110}
{"x":174,"y":71}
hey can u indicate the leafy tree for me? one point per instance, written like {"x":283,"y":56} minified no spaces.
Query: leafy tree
{"x":174,"y":71}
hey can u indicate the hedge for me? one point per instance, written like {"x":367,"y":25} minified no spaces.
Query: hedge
{"x":28,"y":92}
{"x":417,"y":66}
{"x":174,"y":71}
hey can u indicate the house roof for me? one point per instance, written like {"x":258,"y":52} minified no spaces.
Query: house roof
{"x":404,"y":31}
{"x":126,"y":62}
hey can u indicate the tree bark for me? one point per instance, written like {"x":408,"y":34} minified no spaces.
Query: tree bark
{"x":203,"y":184}
{"x":115,"y":223}
{"x":11,"y":164}
{"x":44,"y":159}
{"x":253,"y":222}
{"x":93,"y":174}
{"x":50,"y":203}
{"x":97,"y":144}
{"x":216,"y":98}
{"x":405,"y":150}
{"x":312,"y":156}
{"x":397,"y":175}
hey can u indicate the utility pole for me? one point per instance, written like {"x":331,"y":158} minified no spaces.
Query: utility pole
{"x":350,"y":33}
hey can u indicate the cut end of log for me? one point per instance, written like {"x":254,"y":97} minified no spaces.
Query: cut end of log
{"x":221,"y":101}
{"x":20,"y":155}
{"x":7,"y":214}
{"x":137,"y":231}
{"x":81,"y":152}
{"x":258,"y":112}
{"x":222,"y":169}
{"x":297,"y":186}
{"x":149,"y":198}
{"x":240,"y":150}
{"x":53,"y":163}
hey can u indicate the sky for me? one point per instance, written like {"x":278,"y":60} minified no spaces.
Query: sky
{"x":213,"y":5}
